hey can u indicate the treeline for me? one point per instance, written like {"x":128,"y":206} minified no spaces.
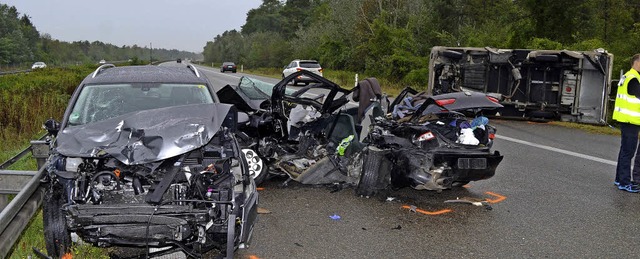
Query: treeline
{"x":21,"y":44}
{"x":392,"y":39}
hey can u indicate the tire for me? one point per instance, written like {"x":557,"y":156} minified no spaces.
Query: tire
{"x":375,"y":175}
{"x":57,"y":237}
{"x":257,"y":166}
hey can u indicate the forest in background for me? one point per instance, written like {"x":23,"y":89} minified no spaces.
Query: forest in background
{"x":392,"y":39}
{"x":21,"y":44}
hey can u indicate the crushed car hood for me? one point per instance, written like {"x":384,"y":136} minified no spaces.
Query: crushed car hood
{"x":145,"y":136}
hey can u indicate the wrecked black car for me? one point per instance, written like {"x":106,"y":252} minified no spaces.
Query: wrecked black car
{"x":325,"y":134}
{"x":147,"y":157}
{"x":308,"y":133}
{"x":430,"y":143}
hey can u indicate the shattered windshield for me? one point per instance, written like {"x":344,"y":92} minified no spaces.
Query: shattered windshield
{"x":256,"y":89}
{"x":104,"y":101}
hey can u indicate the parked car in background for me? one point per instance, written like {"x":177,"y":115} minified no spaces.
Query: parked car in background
{"x":179,"y":60}
{"x":297,"y":65}
{"x":228,"y":66}
{"x":38,"y":65}
{"x":102,"y":61}
{"x":147,"y":156}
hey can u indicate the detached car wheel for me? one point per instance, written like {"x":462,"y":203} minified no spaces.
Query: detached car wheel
{"x":375,"y":175}
{"x":57,"y":237}
{"x":257,"y":166}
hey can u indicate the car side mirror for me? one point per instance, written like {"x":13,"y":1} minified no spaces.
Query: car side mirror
{"x":52,"y":126}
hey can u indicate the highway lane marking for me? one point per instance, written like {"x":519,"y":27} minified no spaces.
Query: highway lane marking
{"x":216,"y":72}
{"x":425,"y":212}
{"x":562,"y":151}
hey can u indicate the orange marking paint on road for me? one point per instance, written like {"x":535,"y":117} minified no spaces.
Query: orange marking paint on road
{"x":260,"y":188}
{"x":496,"y":200}
{"x":430,"y":213}
{"x":466,"y":186}
{"x":254,"y":257}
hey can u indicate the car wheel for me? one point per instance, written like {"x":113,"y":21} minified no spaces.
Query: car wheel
{"x":57,"y":237}
{"x":375,"y":175}
{"x":257,"y":166}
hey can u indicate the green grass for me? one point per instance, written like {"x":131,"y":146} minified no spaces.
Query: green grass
{"x":27,"y":101}
{"x":595,"y":129}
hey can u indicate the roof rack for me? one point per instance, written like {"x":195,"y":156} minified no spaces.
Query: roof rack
{"x":100,"y":68}
{"x":194,"y":69}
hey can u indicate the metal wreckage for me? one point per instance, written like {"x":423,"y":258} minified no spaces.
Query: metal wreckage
{"x":324,"y":134}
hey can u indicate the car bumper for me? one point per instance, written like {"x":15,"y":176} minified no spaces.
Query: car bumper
{"x":470,"y":167}
{"x":306,"y":78}
{"x":133,"y":224}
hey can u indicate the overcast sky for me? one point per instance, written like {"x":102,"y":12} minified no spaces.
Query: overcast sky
{"x":169,"y":24}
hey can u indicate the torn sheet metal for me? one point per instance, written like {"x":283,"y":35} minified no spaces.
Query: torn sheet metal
{"x":145,"y":136}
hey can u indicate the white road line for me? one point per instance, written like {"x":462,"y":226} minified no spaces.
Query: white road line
{"x":566,"y":152}
{"x":216,"y":72}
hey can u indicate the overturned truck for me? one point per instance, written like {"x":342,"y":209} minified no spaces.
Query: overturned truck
{"x":536,"y":84}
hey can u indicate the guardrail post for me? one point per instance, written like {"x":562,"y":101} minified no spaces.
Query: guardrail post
{"x":40,"y":151}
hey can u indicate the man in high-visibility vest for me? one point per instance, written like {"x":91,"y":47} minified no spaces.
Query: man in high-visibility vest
{"x":627,"y":112}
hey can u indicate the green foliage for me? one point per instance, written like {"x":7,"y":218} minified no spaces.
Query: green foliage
{"x":589,"y":44}
{"x":543,"y":43}
{"x":419,"y":78}
{"x":30,"y":99}
{"x":392,"y":39}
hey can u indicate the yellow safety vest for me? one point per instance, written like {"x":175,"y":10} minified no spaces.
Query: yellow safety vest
{"x":627,"y":107}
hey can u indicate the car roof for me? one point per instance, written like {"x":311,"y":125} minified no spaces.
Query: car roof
{"x":306,"y":60}
{"x":144,"y":74}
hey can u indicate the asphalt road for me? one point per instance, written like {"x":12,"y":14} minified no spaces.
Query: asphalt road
{"x":553,"y":196}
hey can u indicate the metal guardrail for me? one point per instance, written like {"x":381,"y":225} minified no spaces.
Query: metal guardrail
{"x":17,"y":214}
{"x":22,"y":153}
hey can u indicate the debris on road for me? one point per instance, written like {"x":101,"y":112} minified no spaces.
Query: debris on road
{"x":472,"y":201}
{"x":263,"y":211}
{"x":335,"y":217}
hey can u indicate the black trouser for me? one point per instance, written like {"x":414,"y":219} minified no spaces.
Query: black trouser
{"x":628,"y":147}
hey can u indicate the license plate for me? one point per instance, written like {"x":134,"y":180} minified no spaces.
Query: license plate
{"x":472,"y":163}
{"x":229,"y":66}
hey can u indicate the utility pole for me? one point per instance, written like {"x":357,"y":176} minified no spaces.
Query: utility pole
{"x":150,"y":53}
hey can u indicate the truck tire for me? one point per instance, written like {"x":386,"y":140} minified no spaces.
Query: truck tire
{"x":57,"y":237}
{"x":375,"y":175}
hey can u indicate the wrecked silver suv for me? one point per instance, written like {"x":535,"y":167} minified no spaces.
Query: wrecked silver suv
{"x":147,"y":157}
